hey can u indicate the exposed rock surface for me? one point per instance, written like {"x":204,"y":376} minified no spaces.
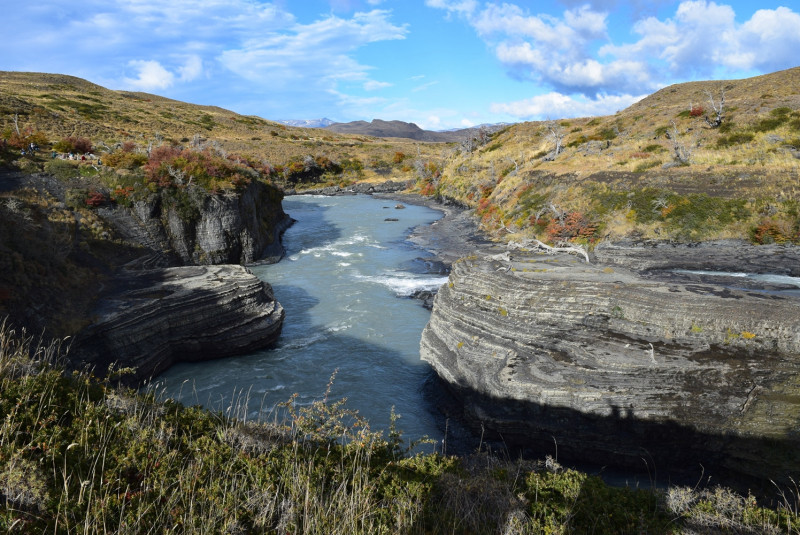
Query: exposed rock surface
{"x":163,"y":316}
{"x":211,"y":229}
{"x":723,"y":255}
{"x":598,"y":363}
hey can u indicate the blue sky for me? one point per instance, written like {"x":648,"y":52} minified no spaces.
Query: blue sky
{"x":438,"y":63}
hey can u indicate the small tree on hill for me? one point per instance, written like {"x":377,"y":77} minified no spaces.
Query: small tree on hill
{"x":718,"y":108}
{"x":681,"y":152}
{"x":555,"y":134}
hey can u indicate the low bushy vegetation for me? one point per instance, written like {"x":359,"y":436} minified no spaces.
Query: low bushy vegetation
{"x":79,"y":455}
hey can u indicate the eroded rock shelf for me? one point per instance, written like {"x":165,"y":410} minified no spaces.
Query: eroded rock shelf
{"x":163,"y":316}
{"x":606,"y":364}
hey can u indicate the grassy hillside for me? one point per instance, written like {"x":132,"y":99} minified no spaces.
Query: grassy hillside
{"x":657,"y":169}
{"x":82,"y":456}
{"x":61,"y":106}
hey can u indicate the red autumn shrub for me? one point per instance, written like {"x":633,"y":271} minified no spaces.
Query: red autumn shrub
{"x":573,"y":226}
{"x":95,"y":199}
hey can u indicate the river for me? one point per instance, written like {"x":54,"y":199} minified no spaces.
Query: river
{"x":344,"y":283}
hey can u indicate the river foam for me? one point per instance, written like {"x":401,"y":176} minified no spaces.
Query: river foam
{"x":339,"y":283}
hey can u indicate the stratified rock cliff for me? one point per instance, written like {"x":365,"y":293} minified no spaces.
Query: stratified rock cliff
{"x":163,"y":316}
{"x":234,"y":228}
{"x":597,"y":363}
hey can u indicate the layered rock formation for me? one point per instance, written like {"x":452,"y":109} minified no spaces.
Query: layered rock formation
{"x":236,"y":228}
{"x":163,"y":316}
{"x":598,"y":363}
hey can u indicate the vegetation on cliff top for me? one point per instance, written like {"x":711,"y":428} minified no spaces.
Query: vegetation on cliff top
{"x":82,"y":456}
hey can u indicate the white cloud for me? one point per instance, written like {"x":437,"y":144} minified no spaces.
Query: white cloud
{"x":573,"y":52}
{"x":433,"y":122}
{"x":151,"y":75}
{"x":462,"y":7}
{"x":423,"y":87}
{"x":556,"y":50}
{"x":192,"y":69}
{"x":556,"y":104}
{"x":704,"y":36}
{"x":319,"y":53}
{"x":373,"y":85}
{"x":768,"y":41}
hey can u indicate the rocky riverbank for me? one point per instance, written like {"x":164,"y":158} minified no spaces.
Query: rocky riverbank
{"x":159,"y":317}
{"x":146,"y":285}
{"x":624,"y":367}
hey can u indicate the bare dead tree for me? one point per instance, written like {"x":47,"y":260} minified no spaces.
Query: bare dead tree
{"x":16,"y":123}
{"x":514,"y":163}
{"x":197,"y":142}
{"x":555,"y":134}
{"x":557,"y":212}
{"x":217,"y":148}
{"x":681,"y":152}
{"x":468,"y":144}
{"x":475,"y":138}
{"x":179,"y":175}
{"x":484,"y":135}
{"x":718,"y":108}
{"x":561,"y":247}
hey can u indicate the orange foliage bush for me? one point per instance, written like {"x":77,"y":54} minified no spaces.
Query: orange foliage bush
{"x":771,"y":231}
{"x":573,"y":226}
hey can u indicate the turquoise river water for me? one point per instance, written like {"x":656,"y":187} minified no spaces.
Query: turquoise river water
{"x":344,"y":284}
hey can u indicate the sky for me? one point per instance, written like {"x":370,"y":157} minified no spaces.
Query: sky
{"x":441,"y":64}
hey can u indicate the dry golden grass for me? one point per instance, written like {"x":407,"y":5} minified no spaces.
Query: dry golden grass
{"x":753,"y":156}
{"x":62,"y":106}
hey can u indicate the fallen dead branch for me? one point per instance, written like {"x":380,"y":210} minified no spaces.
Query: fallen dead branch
{"x":561,"y":247}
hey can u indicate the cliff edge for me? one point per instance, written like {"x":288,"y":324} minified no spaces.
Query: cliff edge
{"x":604,"y":364}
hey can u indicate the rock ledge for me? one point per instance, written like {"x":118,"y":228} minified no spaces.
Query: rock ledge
{"x":163,"y":316}
{"x":607,"y":366}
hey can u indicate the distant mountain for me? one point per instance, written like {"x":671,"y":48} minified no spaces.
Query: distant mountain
{"x":379,"y":128}
{"x":491,"y":127}
{"x":400,"y":129}
{"x":307,"y":123}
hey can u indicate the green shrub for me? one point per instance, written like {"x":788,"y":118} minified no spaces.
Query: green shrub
{"x":122,"y":159}
{"x":737,"y":138}
{"x":61,"y":169}
{"x":644,"y":166}
{"x":608,"y":134}
{"x":76,"y":144}
{"x":768,"y":124}
{"x":782,"y":111}
{"x":654,"y":148}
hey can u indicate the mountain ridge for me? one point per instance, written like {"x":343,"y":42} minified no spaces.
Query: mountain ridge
{"x":399,"y":129}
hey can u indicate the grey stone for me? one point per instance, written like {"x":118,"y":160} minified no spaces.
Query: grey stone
{"x":235,"y":228}
{"x":601,"y":363}
{"x":162,"y":316}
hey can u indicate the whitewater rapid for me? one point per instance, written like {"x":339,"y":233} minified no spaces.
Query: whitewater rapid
{"x":344,"y":283}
